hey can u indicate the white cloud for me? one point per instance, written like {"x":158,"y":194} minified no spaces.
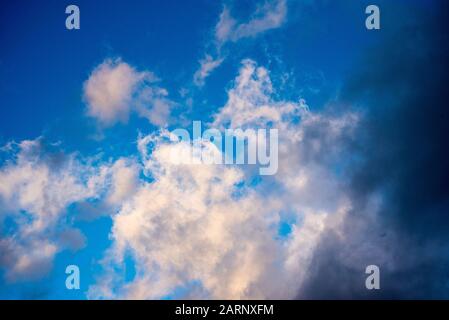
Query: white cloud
{"x":124,"y":176}
{"x":204,"y":224}
{"x":305,"y":182}
{"x":38,"y":183}
{"x":187,"y":225}
{"x":115,"y":89}
{"x":249,"y":101}
{"x":270,"y":15}
{"x":207,"y":65}
{"x":41,"y":183}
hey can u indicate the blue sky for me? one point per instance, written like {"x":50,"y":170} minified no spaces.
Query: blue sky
{"x":44,"y":71}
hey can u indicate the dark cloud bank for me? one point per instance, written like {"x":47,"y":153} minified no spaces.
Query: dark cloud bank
{"x":401,"y":154}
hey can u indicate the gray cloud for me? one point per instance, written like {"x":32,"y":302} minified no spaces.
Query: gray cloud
{"x":398,"y":181}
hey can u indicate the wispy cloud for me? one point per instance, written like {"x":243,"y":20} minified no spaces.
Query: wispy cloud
{"x":269,"y":15}
{"x":38,"y":184}
{"x":207,"y":65}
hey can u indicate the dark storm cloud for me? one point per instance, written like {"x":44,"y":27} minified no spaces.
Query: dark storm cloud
{"x":401,"y":87}
{"x":403,"y":139}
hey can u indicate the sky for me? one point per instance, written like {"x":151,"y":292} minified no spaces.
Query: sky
{"x":86,"y":177}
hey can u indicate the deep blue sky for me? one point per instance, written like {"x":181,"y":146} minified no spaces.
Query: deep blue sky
{"x":44,"y":65}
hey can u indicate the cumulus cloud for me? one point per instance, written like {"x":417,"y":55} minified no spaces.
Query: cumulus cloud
{"x":355,"y":187}
{"x":39,"y":183}
{"x":123,"y":181}
{"x":186,"y":226}
{"x":249,"y":102}
{"x":206,"y":229}
{"x":37,"y":186}
{"x":115,"y":89}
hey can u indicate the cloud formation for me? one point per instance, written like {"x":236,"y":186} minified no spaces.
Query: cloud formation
{"x":361,"y":181}
{"x":398,"y":180}
{"x":206,"y":229}
{"x":115,"y":89}
{"x":269,"y":15}
{"x":207,"y":65}
{"x":38,"y":184}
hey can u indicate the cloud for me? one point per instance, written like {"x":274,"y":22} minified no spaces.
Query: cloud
{"x":205,"y":228}
{"x":39,"y":183}
{"x":249,"y":101}
{"x":115,"y":89}
{"x":397,"y":181}
{"x":26,"y":261}
{"x":363,"y":181}
{"x":207,"y":65}
{"x":124,"y":181}
{"x":185,"y":226}
{"x":270,"y":15}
